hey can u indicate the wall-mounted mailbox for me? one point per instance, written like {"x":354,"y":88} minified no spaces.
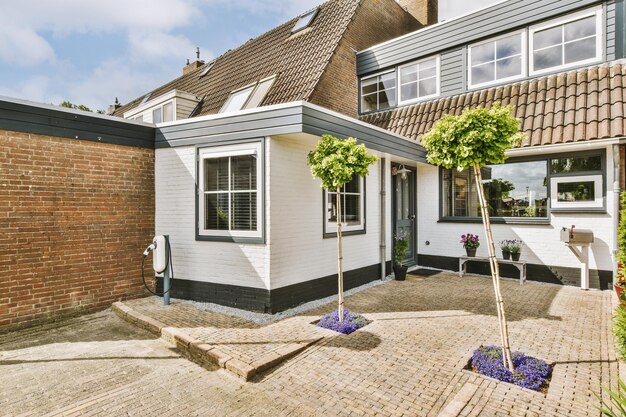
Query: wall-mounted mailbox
{"x":575,"y":236}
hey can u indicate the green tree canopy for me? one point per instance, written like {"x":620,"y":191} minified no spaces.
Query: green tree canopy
{"x":476,"y":136}
{"x":336,"y":161}
{"x":68,"y":104}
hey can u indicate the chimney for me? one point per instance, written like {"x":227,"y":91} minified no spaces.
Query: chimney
{"x":192,"y":66}
{"x":425,"y":11}
{"x":114,"y":107}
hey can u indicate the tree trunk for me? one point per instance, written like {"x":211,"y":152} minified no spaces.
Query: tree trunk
{"x":495,"y":271}
{"x":339,"y":256}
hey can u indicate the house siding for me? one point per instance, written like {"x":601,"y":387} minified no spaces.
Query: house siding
{"x":76,"y":215}
{"x":542,"y":242}
{"x":228,"y":263}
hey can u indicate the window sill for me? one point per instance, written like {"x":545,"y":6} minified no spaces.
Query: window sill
{"x":496,"y":220}
{"x":350,"y":233}
{"x":231,"y":239}
{"x":594,"y":210}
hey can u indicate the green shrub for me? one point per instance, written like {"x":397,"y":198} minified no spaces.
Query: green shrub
{"x":619,"y":330}
{"x":616,"y":406}
{"x":621,"y":238}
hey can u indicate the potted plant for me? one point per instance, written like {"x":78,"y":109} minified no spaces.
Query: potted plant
{"x":506,"y":252}
{"x":470,"y":243}
{"x":515,"y":248}
{"x":399,"y":255}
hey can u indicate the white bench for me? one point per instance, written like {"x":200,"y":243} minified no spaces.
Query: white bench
{"x":521,"y":265}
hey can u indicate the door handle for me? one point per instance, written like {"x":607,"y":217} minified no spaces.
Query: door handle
{"x":412,"y":217}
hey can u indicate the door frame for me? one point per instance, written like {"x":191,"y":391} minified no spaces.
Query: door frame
{"x":413,"y":201}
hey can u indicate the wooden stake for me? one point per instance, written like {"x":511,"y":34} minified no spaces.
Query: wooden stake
{"x":495,"y":271}
{"x":340,"y":256}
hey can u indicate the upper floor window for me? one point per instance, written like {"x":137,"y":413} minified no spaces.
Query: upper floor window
{"x":419,"y":80}
{"x":248,"y":97}
{"x":572,"y":40}
{"x":164,"y":113}
{"x":497,"y":60}
{"x":378,"y":92}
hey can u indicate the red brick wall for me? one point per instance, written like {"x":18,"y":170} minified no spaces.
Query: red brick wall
{"x":375,"y":21}
{"x":74,"y":218}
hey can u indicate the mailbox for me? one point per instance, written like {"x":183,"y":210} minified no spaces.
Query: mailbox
{"x":575,"y":236}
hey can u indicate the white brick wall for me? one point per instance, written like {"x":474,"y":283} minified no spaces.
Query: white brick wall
{"x":542,"y":241}
{"x":298,"y":252}
{"x":218,"y":262}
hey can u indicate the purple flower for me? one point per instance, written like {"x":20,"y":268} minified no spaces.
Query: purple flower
{"x":531,"y":373}
{"x":351,"y":322}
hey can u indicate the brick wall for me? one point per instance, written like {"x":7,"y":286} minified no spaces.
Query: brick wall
{"x":375,"y":21}
{"x":74,"y":218}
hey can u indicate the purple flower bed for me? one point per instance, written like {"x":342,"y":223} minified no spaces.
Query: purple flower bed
{"x":531,"y":373}
{"x":351,"y":322}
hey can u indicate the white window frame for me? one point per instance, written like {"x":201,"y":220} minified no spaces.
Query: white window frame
{"x":598,"y":11}
{"x":254,"y":148}
{"x":331,"y":227}
{"x":598,"y":200}
{"x":524,"y":57}
{"x":378,"y":74}
{"x":399,"y":100}
{"x":309,"y":17}
{"x":253,"y":90}
{"x":160,"y":109}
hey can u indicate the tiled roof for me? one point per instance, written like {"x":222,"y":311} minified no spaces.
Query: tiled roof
{"x":297,"y":60}
{"x":572,"y":106}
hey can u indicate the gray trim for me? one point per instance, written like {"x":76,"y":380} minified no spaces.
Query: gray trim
{"x":620,"y":30}
{"x":233,"y":239}
{"x":330,"y":235}
{"x":483,"y":24}
{"x":298,"y":118}
{"x":537,"y":220}
{"x":21,"y":116}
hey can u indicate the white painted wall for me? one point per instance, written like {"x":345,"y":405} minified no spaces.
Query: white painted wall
{"x":543,"y":244}
{"x":217,"y":262}
{"x":298,"y":251}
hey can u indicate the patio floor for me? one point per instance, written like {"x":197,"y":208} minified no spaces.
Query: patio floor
{"x":408,"y":361}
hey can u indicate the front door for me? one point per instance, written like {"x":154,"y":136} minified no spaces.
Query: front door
{"x":404,"y":207}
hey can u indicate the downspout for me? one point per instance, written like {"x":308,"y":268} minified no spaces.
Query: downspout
{"x":383,"y":220}
{"x":616,"y":203}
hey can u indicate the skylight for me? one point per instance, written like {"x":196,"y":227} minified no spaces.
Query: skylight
{"x":304,"y":21}
{"x":207,"y":68}
{"x":248,"y":97}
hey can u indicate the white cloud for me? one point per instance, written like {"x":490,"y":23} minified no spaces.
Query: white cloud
{"x":22,"y":46}
{"x":148,"y":46}
{"x":449,"y":9}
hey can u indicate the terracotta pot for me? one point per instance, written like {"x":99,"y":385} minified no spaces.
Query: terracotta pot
{"x":619,"y":287}
{"x":515,"y":256}
{"x":470,"y":252}
{"x":400,"y":272}
{"x":506,"y":254}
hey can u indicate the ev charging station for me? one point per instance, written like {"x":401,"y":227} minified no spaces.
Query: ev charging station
{"x":161,"y":263}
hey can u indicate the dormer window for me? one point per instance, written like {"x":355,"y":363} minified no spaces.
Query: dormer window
{"x":164,"y":113}
{"x":248,"y":97}
{"x":304,"y":21}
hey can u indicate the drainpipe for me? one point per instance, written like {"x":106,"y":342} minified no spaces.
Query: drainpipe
{"x":383,"y":220}
{"x":616,"y":201}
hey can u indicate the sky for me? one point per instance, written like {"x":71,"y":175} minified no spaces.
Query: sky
{"x":90,"y":52}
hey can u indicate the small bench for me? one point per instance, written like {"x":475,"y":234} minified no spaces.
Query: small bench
{"x":521,"y":265}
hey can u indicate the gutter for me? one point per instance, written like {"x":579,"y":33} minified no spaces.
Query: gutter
{"x":560,"y":147}
{"x":383,"y":221}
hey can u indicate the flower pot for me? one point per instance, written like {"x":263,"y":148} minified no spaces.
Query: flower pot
{"x":400,"y":272}
{"x":506,"y":254}
{"x":619,"y":287}
{"x":470,"y":251}
{"x":515,"y":256}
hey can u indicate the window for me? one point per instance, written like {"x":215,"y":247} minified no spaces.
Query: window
{"x":352,"y":207}
{"x":249,"y":97}
{"x":517,"y":190}
{"x":501,"y":59}
{"x":576,"y":182}
{"x":304,"y":21}
{"x":230,"y":191}
{"x":164,"y":113}
{"x":207,"y":68}
{"x":573,"y":40}
{"x":378,"y":92}
{"x":419,"y":80}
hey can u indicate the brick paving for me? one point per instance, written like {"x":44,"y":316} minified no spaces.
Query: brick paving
{"x":408,"y":361}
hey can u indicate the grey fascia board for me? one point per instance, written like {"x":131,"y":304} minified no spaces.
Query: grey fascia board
{"x":28,"y":117}
{"x":484,"y":23}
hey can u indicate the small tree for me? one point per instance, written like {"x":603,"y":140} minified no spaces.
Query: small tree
{"x":621,"y":239}
{"x":336,"y":162}
{"x":476,"y":138}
